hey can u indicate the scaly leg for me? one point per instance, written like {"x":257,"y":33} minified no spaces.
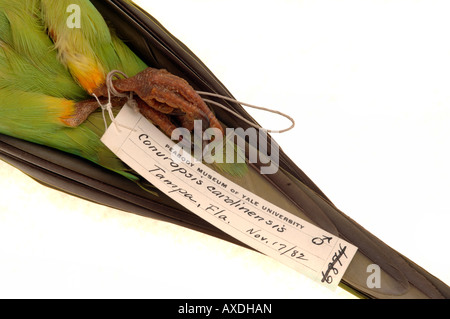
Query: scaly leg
{"x":166,"y":92}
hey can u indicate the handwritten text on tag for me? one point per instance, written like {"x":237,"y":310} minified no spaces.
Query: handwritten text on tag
{"x":231,"y":208}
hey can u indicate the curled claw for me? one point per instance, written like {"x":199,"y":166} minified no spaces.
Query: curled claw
{"x":166,"y":94}
{"x":158,"y":118}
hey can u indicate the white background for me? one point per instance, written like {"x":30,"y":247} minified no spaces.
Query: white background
{"x":368,"y":85}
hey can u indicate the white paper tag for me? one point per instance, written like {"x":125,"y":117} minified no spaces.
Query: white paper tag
{"x":231,"y":208}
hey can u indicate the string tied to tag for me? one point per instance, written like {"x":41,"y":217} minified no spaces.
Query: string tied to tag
{"x":113,"y":92}
{"x":249,"y":105}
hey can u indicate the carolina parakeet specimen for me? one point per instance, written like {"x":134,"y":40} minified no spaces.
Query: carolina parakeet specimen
{"x":287,"y":185}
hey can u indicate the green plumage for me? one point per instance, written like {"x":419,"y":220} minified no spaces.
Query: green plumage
{"x":19,"y":72}
{"x":36,"y":90}
{"x":34,"y":117}
{"x":29,"y":60}
{"x":88,"y":48}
